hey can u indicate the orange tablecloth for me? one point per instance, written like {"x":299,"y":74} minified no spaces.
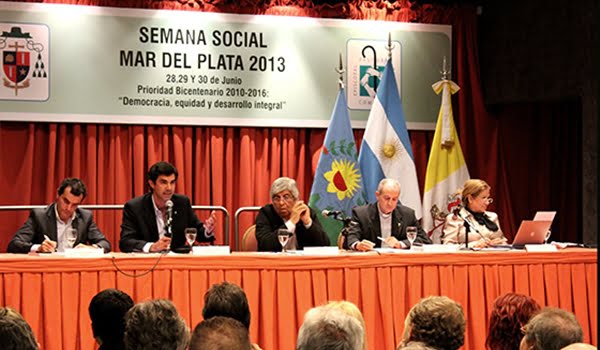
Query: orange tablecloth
{"x":53,"y":292}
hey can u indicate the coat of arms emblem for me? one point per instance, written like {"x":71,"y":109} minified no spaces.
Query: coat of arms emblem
{"x":24,"y":62}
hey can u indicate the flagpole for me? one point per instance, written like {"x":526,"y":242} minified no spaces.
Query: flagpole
{"x":341,"y":72}
{"x":445,"y":71}
{"x":389,"y":46}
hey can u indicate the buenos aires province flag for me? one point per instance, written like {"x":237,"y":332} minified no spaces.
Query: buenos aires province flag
{"x":338,"y":184}
{"x":386,"y":151}
{"x":446,"y":169}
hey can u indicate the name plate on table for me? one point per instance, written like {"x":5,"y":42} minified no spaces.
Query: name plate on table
{"x":540,"y":248}
{"x":84,"y":252}
{"x":321,"y":251}
{"x":211,"y":250}
{"x":441,"y":248}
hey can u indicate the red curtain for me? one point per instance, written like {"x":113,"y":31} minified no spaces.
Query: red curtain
{"x":233,"y":166}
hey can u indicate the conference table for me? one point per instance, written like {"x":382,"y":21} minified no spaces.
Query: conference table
{"x":53,"y":292}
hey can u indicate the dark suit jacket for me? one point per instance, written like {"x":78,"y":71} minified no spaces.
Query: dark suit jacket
{"x":138,"y":226}
{"x":268,"y":221}
{"x":369,"y":226}
{"x":43,"y":222}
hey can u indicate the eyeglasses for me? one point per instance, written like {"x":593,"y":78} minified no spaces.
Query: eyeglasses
{"x":285,"y":197}
{"x":488,"y":200}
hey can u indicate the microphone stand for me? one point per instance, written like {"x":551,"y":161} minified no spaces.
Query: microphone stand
{"x":467,"y":229}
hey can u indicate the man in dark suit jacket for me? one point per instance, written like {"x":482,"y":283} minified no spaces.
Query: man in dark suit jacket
{"x":386,"y":215}
{"x":145,"y":218}
{"x":287,"y":212}
{"x":45,"y":229}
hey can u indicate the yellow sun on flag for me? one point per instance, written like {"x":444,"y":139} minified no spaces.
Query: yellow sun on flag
{"x":343,"y":178}
{"x":390,"y":151}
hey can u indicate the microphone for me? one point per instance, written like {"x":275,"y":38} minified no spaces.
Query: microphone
{"x":169,"y":223}
{"x":469,"y":225}
{"x":337,"y":215}
{"x":333,"y":213}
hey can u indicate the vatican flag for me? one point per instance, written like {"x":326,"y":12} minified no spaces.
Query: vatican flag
{"x":446,"y":169}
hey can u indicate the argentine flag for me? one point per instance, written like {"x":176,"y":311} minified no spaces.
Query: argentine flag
{"x":386,"y":151}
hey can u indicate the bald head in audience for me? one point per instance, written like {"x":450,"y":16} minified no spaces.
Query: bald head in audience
{"x":579,"y":346}
{"x":220,"y":333}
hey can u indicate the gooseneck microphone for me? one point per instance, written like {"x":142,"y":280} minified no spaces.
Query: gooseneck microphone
{"x":337,"y":215}
{"x":332,"y":213}
{"x":169,"y":223}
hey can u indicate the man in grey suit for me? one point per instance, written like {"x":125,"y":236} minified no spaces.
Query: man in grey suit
{"x":385,"y":219}
{"x":45,"y":230}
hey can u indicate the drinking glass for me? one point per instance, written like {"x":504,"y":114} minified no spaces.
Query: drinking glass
{"x":283,"y":236}
{"x":411,"y":234}
{"x":547,"y":236}
{"x":190,"y":235}
{"x":70,"y":237}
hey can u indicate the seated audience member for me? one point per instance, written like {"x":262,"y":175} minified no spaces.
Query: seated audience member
{"x":579,"y":346}
{"x":45,"y":229}
{"x":416,"y":345}
{"x":510,"y":312}
{"x":15,"y":332}
{"x":155,"y":324}
{"x":483,"y":225}
{"x":227,"y":300}
{"x":329,"y":328}
{"x":352,"y":310}
{"x":145,"y":223}
{"x":288,"y":212}
{"x":107,"y":312}
{"x":386,"y":219}
{"x":551,"y":329}
{"x":436,"y":321}
{"x":220,"y":333}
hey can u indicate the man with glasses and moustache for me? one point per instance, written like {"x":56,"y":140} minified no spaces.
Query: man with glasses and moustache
{"x":288,"y":212}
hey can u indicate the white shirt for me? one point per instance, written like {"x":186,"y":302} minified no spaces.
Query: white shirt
{"x":61,"y":227}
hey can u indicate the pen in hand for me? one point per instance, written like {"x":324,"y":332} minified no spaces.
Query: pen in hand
{"x":51,"y":242}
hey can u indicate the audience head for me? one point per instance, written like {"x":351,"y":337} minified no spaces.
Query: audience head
{"x":352,"y":310}
{"x":15,"y":332}
{"x":476,"y":195}
{"x":162,"y":177}
{"x":436,"y":321}
{"x":551,"y":329}
{"x":155,"y":324}
{"x":220,"y":333}
{"x":284,"y":193}
{"x":415,"y":345}
{"x":510,"y":312}
{"x":229,"y":300}
{"x":388,"y":194}
{"x":579,"y":346}
{"x":71,"y":193}
{"x":107,"y":312}
{"x":326,"y":328}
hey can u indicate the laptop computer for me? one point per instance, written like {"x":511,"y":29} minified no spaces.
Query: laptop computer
{"x":531,"y":232}
{"x":544,"y":216}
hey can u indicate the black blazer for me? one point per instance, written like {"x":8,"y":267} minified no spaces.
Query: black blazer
{"x":369,"y":226}
{"x":268,"y":221}
{"x":43,"y":222}
{"x":138,"y":226}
